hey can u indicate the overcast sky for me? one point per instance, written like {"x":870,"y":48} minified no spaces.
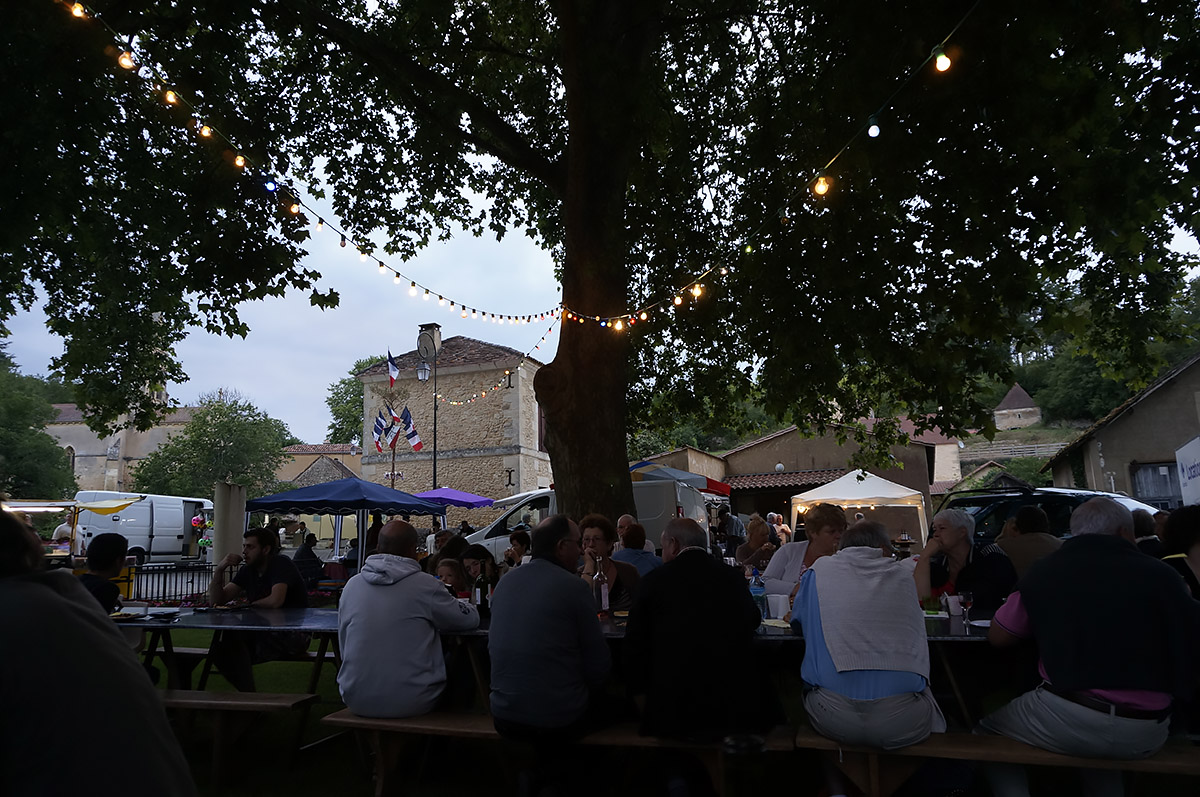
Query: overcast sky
{"x":295,"y":351}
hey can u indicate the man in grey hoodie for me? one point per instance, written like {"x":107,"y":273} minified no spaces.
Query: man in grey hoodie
{"x":389,"y":619}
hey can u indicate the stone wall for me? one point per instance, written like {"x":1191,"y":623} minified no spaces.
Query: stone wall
{"x":108,"y":464}
{"x":1018,"y":418}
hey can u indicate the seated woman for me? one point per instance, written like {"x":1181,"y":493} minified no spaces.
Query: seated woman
{"x":599,"y":537}
{"x":518,"y":547}
{"x":866,"y":660}
{"x":1182,"y":546}
{"x":452,"y":574}
{"x":823,"y":525}
{"x":756,"y":551}
{"x":477,"y":560}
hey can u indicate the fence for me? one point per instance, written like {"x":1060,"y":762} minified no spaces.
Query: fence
{"x":170,"y":581}
{"x":986,"y":451}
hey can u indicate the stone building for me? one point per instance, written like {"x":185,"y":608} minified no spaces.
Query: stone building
{"x":107,"y":463}
{"x":1132,"y":449}
{"x":1017,"y":410}
{"x":489,"y":426}
{"x":306,"y":459}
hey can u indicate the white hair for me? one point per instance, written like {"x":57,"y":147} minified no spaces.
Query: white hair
{"x":1100,"y":516}
{"x":957,"y":518}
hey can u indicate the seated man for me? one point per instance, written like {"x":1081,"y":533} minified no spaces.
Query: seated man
{"x":56,"y":634}
{"x":623,"y":524}
{"x":952,"y":564}
{"x":636,"y":554}
{"x":823,"y":527}
{"x":389,"y":618}
{"x":866,"y":658}
{"x":1031,"y":541}
{"x":546,"y":647}
{"x":268,"y":580}
{"x":1117,"y":637}
{"x":694,"y":609}
{"x":308,"y":563}
{"x":105,"y":560}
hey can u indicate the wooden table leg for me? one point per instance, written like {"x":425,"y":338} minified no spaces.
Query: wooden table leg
{"x":322,"y":647}
{"x":958,"y":695}
{"x":483,"y":684}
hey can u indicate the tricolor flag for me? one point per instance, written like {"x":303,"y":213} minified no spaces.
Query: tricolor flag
{"x":391,"y":435}
{"x":379,"y":425}
{"x":393,"y":369}
{"x":392,"y":411}
{"x":410,"y":430}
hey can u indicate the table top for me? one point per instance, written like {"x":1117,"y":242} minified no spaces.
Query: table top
{"x":317,"y":621}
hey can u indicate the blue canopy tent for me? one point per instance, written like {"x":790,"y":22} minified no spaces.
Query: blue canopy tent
{"x":451,"y":497}
{"x":350,"y":496}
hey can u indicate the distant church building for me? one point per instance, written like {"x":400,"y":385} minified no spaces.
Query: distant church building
{"x":1017,"y":410}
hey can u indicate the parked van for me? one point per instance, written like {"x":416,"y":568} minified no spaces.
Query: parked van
{"x":657,"y":502}
{"x":159,"y":527}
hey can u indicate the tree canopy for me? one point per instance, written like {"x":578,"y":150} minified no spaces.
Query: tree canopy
{"x":32,"y":465}
{"x":1033,"y":187}
{"x":345,"y":402}
{"x":227,"y":439}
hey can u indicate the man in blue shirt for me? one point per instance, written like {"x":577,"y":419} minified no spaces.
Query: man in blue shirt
{"x":634,"y":552}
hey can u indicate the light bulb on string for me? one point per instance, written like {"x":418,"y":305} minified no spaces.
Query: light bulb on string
{"x":343,"y":243}
{"x":205,"y":131}
{"x":126,"y":61}
{"x":239,"y":161}
{"x":473,"y":314}
{"x":697,"y":289}
{"x":724,"y":271}
{"x":426,"y":296}
{"x":441,"y":302}
{"x":77,"y":11}
{"x":822,"y":185}
{"x":748,"y":248}
{"x":271,"y":185}
{"x":678,"y":300}
{"x":618,"y":325}
{"x":873,"y":126}
{"x":320,"y":223}
{"x":463,"y":313}
{"x":412,"y":288}
{"x":362,"y":256}
{"x":383,"y":268}
{"x":941,"y":61}
{"x":395,"y":279}
{"x":642,"y":315}
{"x":170,"y":97}
{"x":294,"y":208}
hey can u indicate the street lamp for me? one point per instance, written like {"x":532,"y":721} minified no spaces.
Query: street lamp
{"x":429,"y":343}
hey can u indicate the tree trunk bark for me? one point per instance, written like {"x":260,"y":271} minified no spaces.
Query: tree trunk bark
{"x":606,"y":46}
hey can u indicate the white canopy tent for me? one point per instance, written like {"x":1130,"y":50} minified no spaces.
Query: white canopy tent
{"x":861,"y":490}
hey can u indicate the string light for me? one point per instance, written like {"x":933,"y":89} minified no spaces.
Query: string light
{"x":294,"y":208}
{"x":941,"y":61}
{"x":412,"y":288}
{"x":362,"y":256}
{"x":678,"y":300}
{"x":821,"y":186}
{"x":426,"y":296}
{"x":383,"y":269}
{"x":441,"y":302}
{"x":697,"y":289}
{"x":205,"y":131}
{"x":126,"y":61}
{"x":170,"y":97}
{"x":271,"y":185}
{"x":77,"y":11}
{"x":873,"y":127}
{"x":643,"y":315}
{"x":343,"y":243}
{"x":320,"y":222}
{"x":395,"y":279}
{"x":240,"y":161}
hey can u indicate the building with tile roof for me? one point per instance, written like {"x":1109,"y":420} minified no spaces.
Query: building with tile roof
{"x":490,"y":432}
{"x":1016,"y":410}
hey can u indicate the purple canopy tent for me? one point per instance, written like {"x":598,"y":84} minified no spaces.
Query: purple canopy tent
{"x":447,"y":496}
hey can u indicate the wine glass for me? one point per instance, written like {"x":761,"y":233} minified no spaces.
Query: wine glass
{"x":966,"y":599}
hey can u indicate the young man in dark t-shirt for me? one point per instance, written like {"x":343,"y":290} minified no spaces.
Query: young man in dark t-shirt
{"x":105,"y":558}
{"x":267,"y":580}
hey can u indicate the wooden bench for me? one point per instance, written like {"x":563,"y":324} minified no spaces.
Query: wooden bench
{"x":224,"y":707}
{"x":878,"y":773}
{"x":386,"y":736}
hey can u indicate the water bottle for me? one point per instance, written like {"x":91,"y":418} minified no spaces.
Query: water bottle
{"x":758,"y":591}
{"x":600,"y":588}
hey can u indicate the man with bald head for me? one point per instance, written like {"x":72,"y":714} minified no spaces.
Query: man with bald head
{"x":623,"y":524}
{"x":389,"y":619}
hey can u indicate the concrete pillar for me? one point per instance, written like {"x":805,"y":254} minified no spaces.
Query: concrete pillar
{"x":229,"y":519}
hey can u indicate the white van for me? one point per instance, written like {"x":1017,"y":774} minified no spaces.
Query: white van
{"x":657,"y":502}
{"x":159,"y":527}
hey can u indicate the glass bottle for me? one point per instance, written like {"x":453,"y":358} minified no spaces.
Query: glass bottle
{"x":600,"y":587}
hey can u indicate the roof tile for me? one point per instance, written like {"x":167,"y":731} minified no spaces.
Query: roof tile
{"x":770,"y":481}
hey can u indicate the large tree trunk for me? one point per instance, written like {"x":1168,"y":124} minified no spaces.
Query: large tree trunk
{"x":605,"y":51}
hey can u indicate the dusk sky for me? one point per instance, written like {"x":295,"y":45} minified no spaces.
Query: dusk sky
{"x":295,"y":351}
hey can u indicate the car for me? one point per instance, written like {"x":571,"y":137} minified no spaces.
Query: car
{"x":991,"y":508}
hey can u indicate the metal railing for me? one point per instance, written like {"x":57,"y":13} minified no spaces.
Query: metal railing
{"x":1009,"y":451}
{"x":170,"y":581}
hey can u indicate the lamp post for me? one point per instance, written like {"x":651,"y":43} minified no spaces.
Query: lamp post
{"x":423,"y":371}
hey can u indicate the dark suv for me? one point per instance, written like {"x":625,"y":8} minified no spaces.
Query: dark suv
{"x":991,"y":508}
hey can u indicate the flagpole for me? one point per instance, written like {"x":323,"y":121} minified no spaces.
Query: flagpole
{"x":393,"y":463}
{"x":435,"y":403}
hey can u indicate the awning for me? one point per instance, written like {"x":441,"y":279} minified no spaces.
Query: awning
{"x":447,"y":496}
{"x":652,"y":471}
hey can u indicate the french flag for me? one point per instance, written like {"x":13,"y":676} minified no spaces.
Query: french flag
{"x":410,"y":430}
{"x":378,"y":431}
{"x":393,"y":369}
